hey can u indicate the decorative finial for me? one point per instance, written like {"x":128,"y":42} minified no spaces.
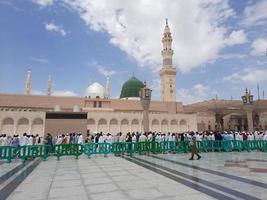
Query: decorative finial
{"x":49,"y":85}
{"x":28,"y":82}
{"x":107,"y":93}
{"x":145,"y":83}
{"x":166,"y":21}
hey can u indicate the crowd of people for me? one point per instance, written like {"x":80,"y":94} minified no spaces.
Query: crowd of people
{"x":159,"y":137}
{"x":77,"y":138}
{"x":17,"y":141}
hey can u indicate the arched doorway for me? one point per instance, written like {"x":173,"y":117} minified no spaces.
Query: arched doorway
{"x":135,"y":125}
{"x":113,"y":126}
{"x":125,"y":126}
{"x":102,"y":126}
{"x":164,"y":126}
{"x":183,"y":126}
{"x":7,"y":126}
{"x":155,"y":125}
{"x":174,"y":126}
{"x":37,"y":126}
{"x":23,"y":126}
{"x":91,"y":125}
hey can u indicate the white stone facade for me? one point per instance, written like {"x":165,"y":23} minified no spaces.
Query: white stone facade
{"x":19,"y":121}
{"x":131,"y":122}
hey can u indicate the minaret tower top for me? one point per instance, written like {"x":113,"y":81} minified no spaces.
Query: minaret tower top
{"x":167,"y":51}
{"x":28,"y":83}
{"x":168,"y":72}
{"x":49,"y":85}
{"x":108,"y":88}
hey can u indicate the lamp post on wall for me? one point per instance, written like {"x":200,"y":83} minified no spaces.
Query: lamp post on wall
{"x":145,"y":96}
{"x":247,"y":99}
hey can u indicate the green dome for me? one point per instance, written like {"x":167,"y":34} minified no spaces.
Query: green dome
{"x":131,"y":88}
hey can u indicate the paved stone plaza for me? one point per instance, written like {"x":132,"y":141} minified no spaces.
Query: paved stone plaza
{"x":241,"y":175}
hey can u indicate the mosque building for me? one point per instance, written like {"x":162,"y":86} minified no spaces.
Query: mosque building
{"x":96,"y":111}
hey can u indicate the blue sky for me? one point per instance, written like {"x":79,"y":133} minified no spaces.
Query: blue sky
{"x":219,"y":47}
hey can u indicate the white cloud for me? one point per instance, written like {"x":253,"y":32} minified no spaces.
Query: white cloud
{"x":40,"y":60}
{"x":236,"y":37}
{"x":255,"y":14}
{"x":136,"y":27}
{"x":11,"y":5}
{"x":259,"y":47}
{"x":63,"y":93}
{"x":55,"y":28}
{"x":195,"y":94}
{"x":248,"y":75}
{"x":232,"y":56}
{"x":105,"y":72}
{"x":44,"y":3}
{"x":55,"y":93}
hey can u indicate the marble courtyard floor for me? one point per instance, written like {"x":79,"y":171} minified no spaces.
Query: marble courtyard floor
{"x":234,"y":175}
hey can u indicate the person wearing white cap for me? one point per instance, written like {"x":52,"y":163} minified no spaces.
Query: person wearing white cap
{"x":59,"y":139}
{"x":80,"y":138}
{"x":23,"y":140}
{"x":109,"y":138}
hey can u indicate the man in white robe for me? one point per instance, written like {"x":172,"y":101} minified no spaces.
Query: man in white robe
{"x":59,"y":139}
{"x":80,"y":139}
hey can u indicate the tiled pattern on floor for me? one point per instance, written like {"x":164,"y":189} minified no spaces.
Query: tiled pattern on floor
{"x":116,"y":178}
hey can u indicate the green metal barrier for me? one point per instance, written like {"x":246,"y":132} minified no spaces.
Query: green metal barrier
{"x":165,"y":147}
{"x":180,"y":147}
{"x":130,"y":147}
{"x":227,"y":145}
{"x":154,"y":147}
{"x":246,"y":145}
{"x":262,"y":145}
{"x":186,"y":146}
{"x":237,"y":145}
{"x":97,"y":148}
{"x":264,"y":148}
{"x":117,"y":148}
{"x":34,"y":151}
{"x":143,"y":147}
{"x":8,"y":153}
{"x":202,"y":146}
{"x":68,"y":150}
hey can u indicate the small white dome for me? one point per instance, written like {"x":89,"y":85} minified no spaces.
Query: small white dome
{"x":95,"y":90}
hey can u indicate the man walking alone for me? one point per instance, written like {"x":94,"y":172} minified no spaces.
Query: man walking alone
{"x":194,"y":148}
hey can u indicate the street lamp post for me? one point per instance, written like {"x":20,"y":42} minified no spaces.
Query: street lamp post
{"x":247,"y":99}
{"x":145,"y":96}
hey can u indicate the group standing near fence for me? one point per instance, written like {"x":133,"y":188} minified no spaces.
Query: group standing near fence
{"x":29,"y":146}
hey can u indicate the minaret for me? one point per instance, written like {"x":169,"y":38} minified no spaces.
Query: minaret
{"x":28,"y":83}
{"x":49,"y":86}
{"x":107,"y":88}
{"x":168,"y":72}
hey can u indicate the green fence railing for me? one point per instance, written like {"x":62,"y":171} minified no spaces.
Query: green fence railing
{"x":97,"y":148}
{"x":34,"y":151}
{"x":119,"y":148}
{"x":8,"y":153}
{"x":68,"y":150}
